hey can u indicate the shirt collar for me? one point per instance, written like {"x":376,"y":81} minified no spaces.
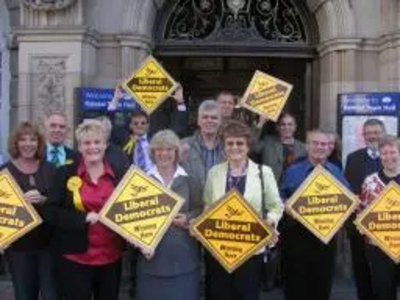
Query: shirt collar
{"x":372,"y":153}
{"x":217,"y":144}
{"x":153,"y":171}
{"x":50,"y":147}
{"x":82,"y":171}
{"x":309,"y":166}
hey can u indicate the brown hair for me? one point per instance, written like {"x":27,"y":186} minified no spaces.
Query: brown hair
{"x":389,"y":140}
{"x":25,"y":128}
{"x":237,"y":129}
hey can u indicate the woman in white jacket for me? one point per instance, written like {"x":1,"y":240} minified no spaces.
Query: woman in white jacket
{"x":241,"y":173}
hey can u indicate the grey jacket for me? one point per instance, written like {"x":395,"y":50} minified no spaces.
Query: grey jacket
{"x":178,"y":252}
{"x":194,"y":164}
{"x":271,"y":150}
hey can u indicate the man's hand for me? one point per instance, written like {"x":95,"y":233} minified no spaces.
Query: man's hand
{"x":118,"y":93}
{"x":178,"y":95}
{"x":261,"y":121}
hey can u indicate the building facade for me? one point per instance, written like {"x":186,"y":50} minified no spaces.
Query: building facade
{"x":324,"y":47}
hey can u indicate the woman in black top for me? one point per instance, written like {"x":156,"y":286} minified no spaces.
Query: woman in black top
{"x":29,"y":258}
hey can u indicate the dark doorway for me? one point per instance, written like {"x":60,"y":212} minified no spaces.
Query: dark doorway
{"x":204,"y":76}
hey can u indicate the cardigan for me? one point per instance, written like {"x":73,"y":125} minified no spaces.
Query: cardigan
{"x":216,"y":184}
{"x":39,"y":237}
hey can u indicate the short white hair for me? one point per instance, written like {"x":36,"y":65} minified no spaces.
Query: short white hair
{"x":90,"y":127}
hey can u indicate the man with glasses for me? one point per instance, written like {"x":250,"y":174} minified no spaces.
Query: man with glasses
{"x":136,"y":144}
{"x":56,"y":130}
{"x":359,"y":165}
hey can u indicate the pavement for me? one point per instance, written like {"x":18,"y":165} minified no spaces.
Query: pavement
{"x":343,"y":290}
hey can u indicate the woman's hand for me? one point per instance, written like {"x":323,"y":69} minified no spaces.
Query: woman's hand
{"x":92,"y":218}
{"x":275,"y":239}
{"x":34,"y":197}
{"x":181,"y":220}
{"x":148,"y":254}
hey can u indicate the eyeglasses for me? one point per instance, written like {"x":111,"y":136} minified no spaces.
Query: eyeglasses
{"x":233,"y":143}
{"x":139,"y":123}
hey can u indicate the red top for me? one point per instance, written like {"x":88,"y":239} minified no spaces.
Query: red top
{"x":104,"y":246}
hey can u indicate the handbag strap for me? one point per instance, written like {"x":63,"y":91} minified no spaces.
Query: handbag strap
{"x":263,"y":207}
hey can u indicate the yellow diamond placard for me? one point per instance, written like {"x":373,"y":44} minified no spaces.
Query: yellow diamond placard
{"x":266,"y":95}
{"x":322,"y":204}
{"x":150,"y":84}
{"x":231,"y":230}
{"x":17,"y":217}
{"x":380,"y":221}
{"x":140,"y":209}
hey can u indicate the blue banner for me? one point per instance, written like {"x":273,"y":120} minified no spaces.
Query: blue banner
{"x":369,"y":104}
{"x":97,"y":99}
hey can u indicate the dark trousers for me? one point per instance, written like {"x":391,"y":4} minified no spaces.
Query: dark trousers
{"x":308,"y":266}
{"x":32,"y":274}
{"x":242,"y":284}
{"x":85,"y":282}
{"x":361,"y":269}
{"x":384,"y":274}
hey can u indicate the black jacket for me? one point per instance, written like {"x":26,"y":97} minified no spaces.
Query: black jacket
{"x":358,"y":166}
{"x":70,"y":228}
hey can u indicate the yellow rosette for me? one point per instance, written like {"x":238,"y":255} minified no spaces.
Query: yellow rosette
{"x":74,"y":184}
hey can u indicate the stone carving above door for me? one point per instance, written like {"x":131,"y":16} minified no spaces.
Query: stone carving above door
{"x":47,"y":5}
{"x":48,"y":85}
{"x":275,"y":21}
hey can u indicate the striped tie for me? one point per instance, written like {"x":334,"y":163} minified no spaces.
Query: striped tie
{"x":140,"y":154}
{"x":55,"y":158}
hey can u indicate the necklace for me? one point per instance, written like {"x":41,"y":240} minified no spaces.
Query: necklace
{"x":236,"y":181}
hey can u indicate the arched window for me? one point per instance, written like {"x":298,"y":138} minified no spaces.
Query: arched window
{"x":233,"y":25}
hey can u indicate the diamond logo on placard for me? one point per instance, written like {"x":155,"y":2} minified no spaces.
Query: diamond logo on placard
{"x":322,"y":204}
{"x":17,"y":217}
{"x":150,"y":85}
{"x":380,"y":221}
{"x":231,"y":230}
{"x":141,"y":209}
{"x":266,"y":95}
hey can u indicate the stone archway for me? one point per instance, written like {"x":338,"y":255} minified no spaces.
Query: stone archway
{"x":336,"y":47}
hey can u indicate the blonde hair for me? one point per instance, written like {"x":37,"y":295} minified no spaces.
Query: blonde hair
{"x":165,"y":138}
{"x":90,"y":127}
{"x":105,"y":121}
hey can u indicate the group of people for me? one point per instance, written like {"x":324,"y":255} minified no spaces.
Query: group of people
{"x":73,"y":256}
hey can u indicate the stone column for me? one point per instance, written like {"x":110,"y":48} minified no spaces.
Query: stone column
{"x":56,"y":55}
{"x":134,"y":49}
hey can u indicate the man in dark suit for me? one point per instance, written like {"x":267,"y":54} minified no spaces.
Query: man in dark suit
{"x":56,"y":130}
{"x":359,"y":165}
